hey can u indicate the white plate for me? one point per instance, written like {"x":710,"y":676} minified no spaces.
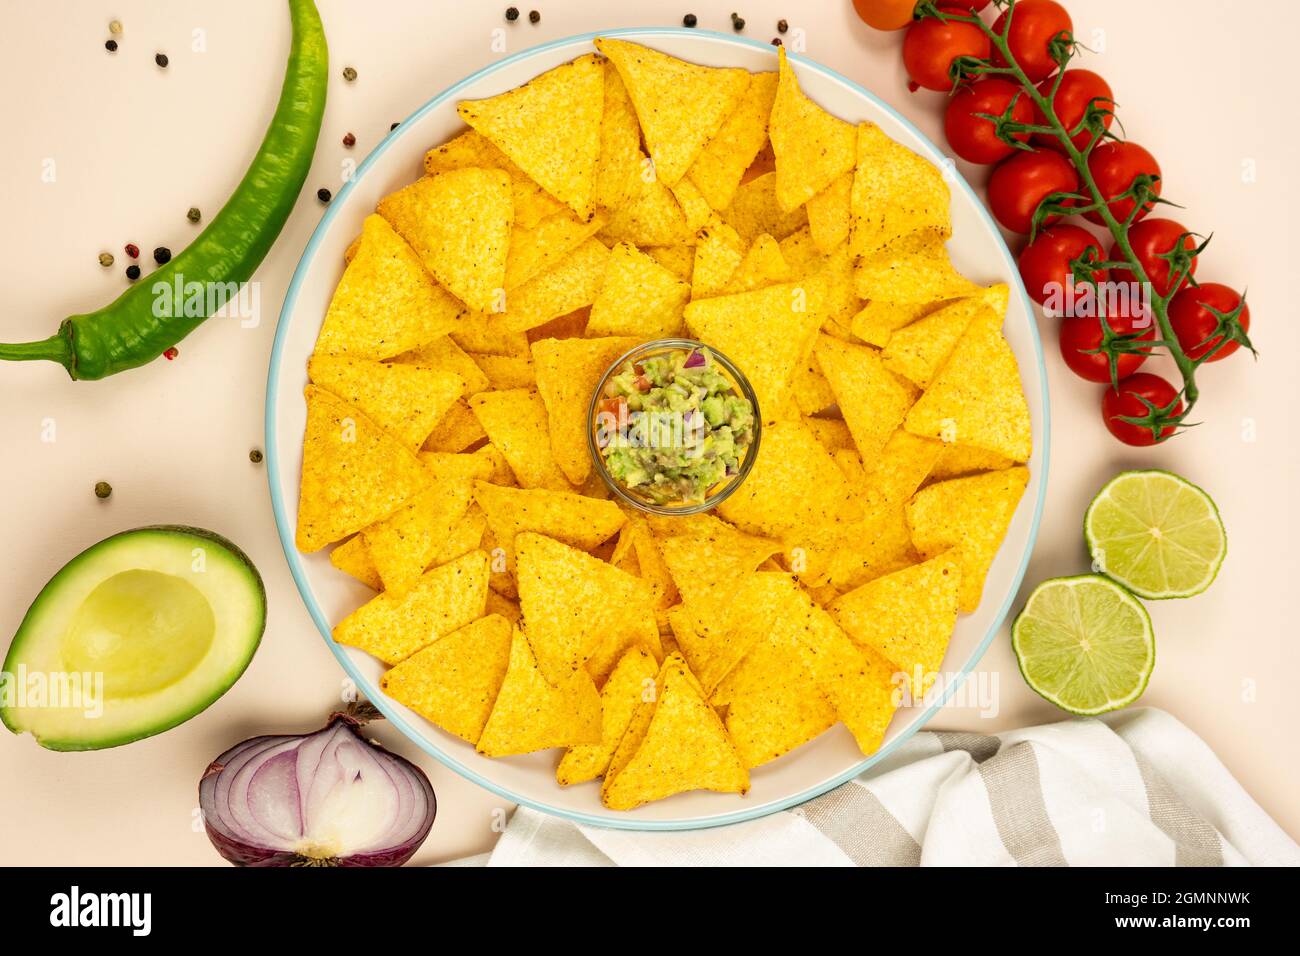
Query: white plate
{"x":977,"y":250}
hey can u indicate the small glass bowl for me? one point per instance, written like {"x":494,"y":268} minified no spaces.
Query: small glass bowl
{"x":719,"y":492}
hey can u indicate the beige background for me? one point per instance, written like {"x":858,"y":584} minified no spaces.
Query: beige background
{"x":133,"y":147}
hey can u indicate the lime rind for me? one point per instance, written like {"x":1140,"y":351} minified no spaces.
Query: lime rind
{"x":1194,"y":539}
{"x":1085,"y":644}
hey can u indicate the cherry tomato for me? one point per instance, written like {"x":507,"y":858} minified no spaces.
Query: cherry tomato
{"x":1078,"y":333}
{"x":1078,"y":89}
{"x":1126,"y":401}
{"x":1150,"y":240}
{"x":972,"y":137}
{"x":1034,"y":25}
{"x":885,"y":14}
{"x":932,"y":44}
{"x":1194,"y":323}
{"x":1045,"y":262}
{"x":1020,"y":183}
{"x":1114,"y":166}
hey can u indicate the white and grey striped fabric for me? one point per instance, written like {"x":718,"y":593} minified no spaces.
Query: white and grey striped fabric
{"x":1131,"y":788}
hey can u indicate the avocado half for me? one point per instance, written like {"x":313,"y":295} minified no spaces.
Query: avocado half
{"x":135,"y":635}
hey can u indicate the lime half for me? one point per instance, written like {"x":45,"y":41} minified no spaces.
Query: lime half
{"x":1085,"y":644}
{"x":1155,"y":533}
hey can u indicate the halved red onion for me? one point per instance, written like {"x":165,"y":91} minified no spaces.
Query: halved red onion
{"x":331,"y":798}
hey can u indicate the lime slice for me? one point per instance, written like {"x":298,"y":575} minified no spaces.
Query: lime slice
{"x":1155,"y":533}
{"x":1085,"y":644}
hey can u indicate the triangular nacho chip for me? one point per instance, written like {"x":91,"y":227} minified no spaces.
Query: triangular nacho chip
{"x":386,"y":302}
{"x":619,"y":165}
{"x":754,"y":211}
{"x":455,"y":680}
{"x":353,"y":472}
{"x":652,"y":217}
{"x":721,"y":165}
{"x":896,"y":194}
{"x":532,"y":204}
{"x":877,"y":321}
{"x":872,"y":399}
{"x":445,"y":355}
{"x":639,"y":297}
{"x":405,"y":399}
{"x":630,"y":683}
{"x":762,"y":266}
{"x":829,"y":214}
{"x":515,"y":422}
{"x":534,"y":250}
{"x":718,"y":252}
{"x":458,"y":430}
{"x":568,"y":285}
{"x":912,"y":271}
{"x":550,"y":128}
{"x":862,"y":686}
{"x":680,"y":105}
{"x":917,"y":351}
{"x":812,"y":147}
{"x":580,"y":522}
{"x":351,"y":557}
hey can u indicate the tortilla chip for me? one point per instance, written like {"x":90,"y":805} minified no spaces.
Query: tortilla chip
{"x":619,"y":165}
{"x":532,"y":713}
{"x":954,"y":461}
{"x":812,"y":147}
{"x":906,"y":617}
{"x":877,"y":321}
{"x":685,"y":747}
{"x":407,"y":400}
{"x":641,"y":553}
{"x":976,"y":399}
{"x":653,"y":217}
{"x":972,"y":515}
{"x":459,"y":224}
{"x":705,"y":560}
{"x":718,"y":253}
{"x":695,"y":208}
{"x":680,"y":105}
{"x":639,"y":297}
{"x":911,"y":271}
{"x":762,"y":266}
{"x":717,"y":628}
{"x":499,"y":604}
{"x":515,"y":421}
{"x":458,"y":430}
{"x":455,"y":680}
{"x":917,"y":351}
{"x":896,"y":194}
{"x":580,"y":522}
{"x":828,"y":214}
{"x":532,"y":204}
{"x":569,"y":285}
{"x":720,"y":166}
{"x":801,"y":253}
{"x":485,"y":333}
{"x":632,"y":679}
{"x":568,"y":371}
{"x":508,"y":371}
{"x":833,"y":433}
{"x":395,"y":624}
{"x":872,"y":399}
{"x":811,"y":391}
{"x":536,"y":249}
{"x":767,"y":333}
{"x":351,"y":557}
{"x":580,"y":610}
{"x":353,"y":472}
{"x":679,"y":260}
{"x":571,"y":325}
{"x":754,"y":210}
{"x":862,"y":685}
{"x":386,"y":303}
{"x":445,"y":355}
{"x":550,"y":128}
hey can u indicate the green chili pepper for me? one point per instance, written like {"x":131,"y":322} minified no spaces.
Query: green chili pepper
{"x":144,"y":321}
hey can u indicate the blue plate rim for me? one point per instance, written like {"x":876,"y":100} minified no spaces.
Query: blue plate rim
{"x":294,"y":559}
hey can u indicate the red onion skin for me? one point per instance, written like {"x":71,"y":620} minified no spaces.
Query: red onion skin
{"x":241,"y":853}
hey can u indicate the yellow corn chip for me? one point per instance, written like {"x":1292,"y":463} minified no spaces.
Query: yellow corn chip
{"x":680,"y":105}
{"x":571,"y":325}
{"x":570,"y":284}
{"x":653,"y":217}
{"x":716,"y":629}
{"x":862,"y":686}
{"x":872,"y":399}
{"x":717,"y":255}
{"x":532,"y":713}
{"x":619,"y":165}
{"x":395,"y":624}
{"x":954,"y":461}
{"x":679,"y":260}
{"x":762,"y":266}
{"x":976,"y":399}
{"x":639,"y":298}
{"x":718,"y":169}
{"x":508,"y":371}
{"x":484,"y":333}
{"x":531,"y":203}
{"x":811,"y":391}
{"x":536,"y":249}
{"x":917,"y":351}
{"x":445,"y":355}
{"x":458,"y":430}
{"x":912,"y":271}
{"x":812,"y":147}
{"x":896,"y":194}
{"x":515,"y":421}
{"x":970,"y":514}
{"x":405,"y":399}
{"x":906,"y":617}
{"x":833,"y":433}
{"x":801,"y":253}
{"x":695,"y":208}
{"x":386,"y":303}
{"x":580,"y":522}
{"x":685,"y":747}
{"x":828,"y":214}
{"x":500,"y":604}
{"x":550,"y":128}
{"x":455,"y":680}
{"x":877,"y":321}
{"x":631,"y":681}
{"x":459,"y":224}
{"x":351,"y":557}
{"x":567,"y":373}
{"x":353,"y":472}
{"x":713,"y":557}
{"x":754,"y":210}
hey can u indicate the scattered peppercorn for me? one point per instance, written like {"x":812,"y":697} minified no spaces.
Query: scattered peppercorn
{"x":103,"y":489}
{"x":106,"y":259}
{"x":161,"y":60}
{"x":512,"y":14}
{"x":115,"y":27}
{"x":689,"y":20}
{"x":194,"y":215}
{"x":133,"y":272}
{"x":737,"y":22}
{"x":349,"y":74}
{"x":171,"y":353}
{"x":394,"y":126}
{"x":110,"y":46}
{"x":534,"y":16}
{"x":782,"y":26}
{"x":324,"y":195}
{"x":776,"y":41}
{"x":255,"y":456}
{"x":349,"y":140}
{"x":133,"y":250}
{"x":162,"y":255}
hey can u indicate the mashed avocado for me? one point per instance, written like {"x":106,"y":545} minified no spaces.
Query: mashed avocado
{"x":673,"y":426}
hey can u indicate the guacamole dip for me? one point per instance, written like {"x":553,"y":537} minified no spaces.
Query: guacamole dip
{"x":672,"y":426}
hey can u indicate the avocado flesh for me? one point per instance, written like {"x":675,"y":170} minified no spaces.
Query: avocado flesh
{"x":133,"y":636}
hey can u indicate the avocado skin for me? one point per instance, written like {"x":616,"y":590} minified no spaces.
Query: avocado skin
{"x":220,"y":541}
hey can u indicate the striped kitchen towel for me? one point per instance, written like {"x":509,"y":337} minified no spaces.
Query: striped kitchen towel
{"x":1134,"y":788}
